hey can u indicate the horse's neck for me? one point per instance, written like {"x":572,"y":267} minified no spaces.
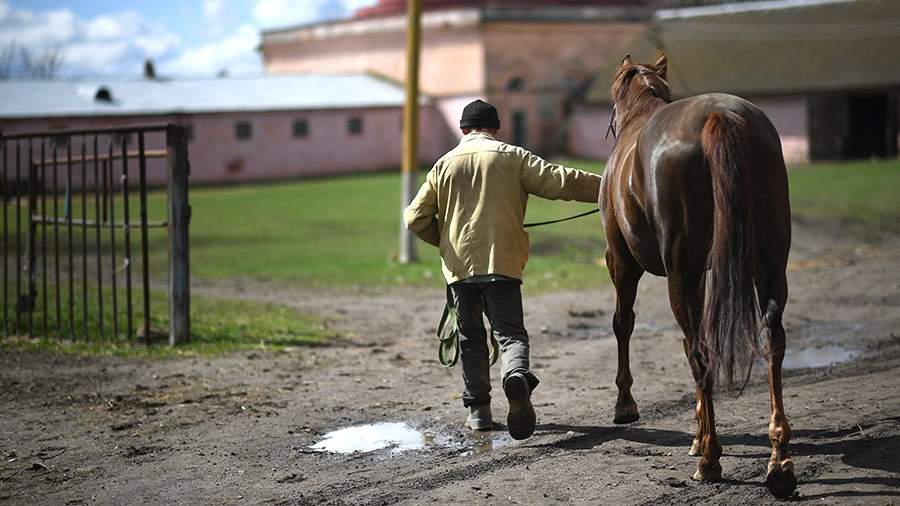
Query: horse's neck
{"x":640,"y":111}
{"x":634,"y":122}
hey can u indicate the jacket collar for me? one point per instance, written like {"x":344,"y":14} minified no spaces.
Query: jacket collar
{"x":477,"y":135}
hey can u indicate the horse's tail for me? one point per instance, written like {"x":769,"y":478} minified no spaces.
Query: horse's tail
{"x":728,"y":328}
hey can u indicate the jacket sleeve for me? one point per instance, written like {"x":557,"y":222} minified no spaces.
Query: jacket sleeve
{"x":551,"y":181}
{"x":421,"y":214}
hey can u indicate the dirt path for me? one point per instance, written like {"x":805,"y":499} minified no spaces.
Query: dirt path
{"x":238,"y":429}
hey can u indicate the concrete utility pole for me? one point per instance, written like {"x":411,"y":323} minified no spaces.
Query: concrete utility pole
{"x":410,"y":125}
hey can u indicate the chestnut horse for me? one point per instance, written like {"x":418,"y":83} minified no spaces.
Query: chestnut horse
{"x":696,"y":191}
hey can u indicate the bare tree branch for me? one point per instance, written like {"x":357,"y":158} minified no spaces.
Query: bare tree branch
{"x":44,"y":66}
{"x":17,"y":61}
{"x":7,"y":57}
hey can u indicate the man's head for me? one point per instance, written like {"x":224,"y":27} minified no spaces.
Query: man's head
{"x":480,"y":116}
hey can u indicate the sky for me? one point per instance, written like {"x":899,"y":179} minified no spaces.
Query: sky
{"x":183,"y":37}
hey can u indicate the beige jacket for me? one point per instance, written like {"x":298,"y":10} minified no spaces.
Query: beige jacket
{"x":472,"y":205}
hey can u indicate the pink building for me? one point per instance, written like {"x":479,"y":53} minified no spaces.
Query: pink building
{"x":817,"y":67}
{"x":332,"y":102}
{"x":249,"y":129}
{"x":533,"y":59}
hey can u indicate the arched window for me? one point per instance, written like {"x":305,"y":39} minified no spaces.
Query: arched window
{"x":570,"y":82}
{"x":515,"y":84}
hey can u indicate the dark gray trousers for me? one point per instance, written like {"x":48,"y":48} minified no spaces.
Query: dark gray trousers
{"x":501,"y":302}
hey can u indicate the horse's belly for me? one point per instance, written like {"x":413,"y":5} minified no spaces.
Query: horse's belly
{"x":639,"y":236}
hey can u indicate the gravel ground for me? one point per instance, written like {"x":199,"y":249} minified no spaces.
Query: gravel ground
{"x":239,"y":429}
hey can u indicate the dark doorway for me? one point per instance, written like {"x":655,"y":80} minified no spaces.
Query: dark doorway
{"x":853,"y":125}
{"x":868,"y":121}
{"x":519,"y":128}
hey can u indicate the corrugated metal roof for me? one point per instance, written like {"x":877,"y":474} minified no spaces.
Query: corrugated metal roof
{"x":760,"y":48}
{"x":42,"y":99}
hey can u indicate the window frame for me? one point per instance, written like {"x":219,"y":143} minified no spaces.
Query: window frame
{"x":300,"y":133}
{"x":239,"y":133}
{"x":355,"y":126}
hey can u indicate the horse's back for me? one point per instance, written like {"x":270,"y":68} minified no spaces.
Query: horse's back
{"x":676,"y":128}
{"x":679,"y":187}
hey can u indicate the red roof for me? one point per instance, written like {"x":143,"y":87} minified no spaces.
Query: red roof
{"x":394,"y":7}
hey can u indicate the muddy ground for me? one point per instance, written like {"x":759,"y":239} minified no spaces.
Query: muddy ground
{"x":238,"y":429}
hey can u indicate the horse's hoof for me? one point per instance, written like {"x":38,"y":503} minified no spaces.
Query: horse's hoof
{"x":626,"y":414}
{"x":780,"y":479}
{"x":708,"y":473}
{"x":696,"y":448}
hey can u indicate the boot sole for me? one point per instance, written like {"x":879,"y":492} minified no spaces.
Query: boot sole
{"x":521,"y":416}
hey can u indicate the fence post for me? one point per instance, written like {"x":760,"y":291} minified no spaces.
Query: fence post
{"x":177,"y":169}
{"x":31,"y":247}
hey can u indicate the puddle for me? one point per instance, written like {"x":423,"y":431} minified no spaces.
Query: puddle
{"x":400,"y":437}
{"x":821,"y":356}
{"x":827,"y":331}
{"x":488,"y":442}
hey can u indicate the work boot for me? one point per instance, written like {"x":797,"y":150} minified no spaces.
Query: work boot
{"x":480,"y":418}
{"x":521,"y":416}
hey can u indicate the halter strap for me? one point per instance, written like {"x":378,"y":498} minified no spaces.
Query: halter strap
{"x":612,"y":124}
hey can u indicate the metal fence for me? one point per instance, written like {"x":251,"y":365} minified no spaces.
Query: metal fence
{"x":77,"y":263}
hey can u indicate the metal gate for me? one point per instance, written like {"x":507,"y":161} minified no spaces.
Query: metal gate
{"x":78,"y":264}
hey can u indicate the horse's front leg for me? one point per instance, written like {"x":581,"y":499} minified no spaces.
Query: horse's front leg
{"x":625,"y":273}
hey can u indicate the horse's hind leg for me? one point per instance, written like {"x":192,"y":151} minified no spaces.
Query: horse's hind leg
{"x":687,"y":341}
{"x":697,"y":443}
{"x":625,"y":273}
{"x":780,"y":479}
{"x":686,"y":299}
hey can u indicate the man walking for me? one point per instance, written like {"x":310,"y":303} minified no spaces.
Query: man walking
{"x":472,"y":207}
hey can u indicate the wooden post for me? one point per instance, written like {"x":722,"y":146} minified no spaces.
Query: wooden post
{"x":178,"y":168}
{"x":410,"y":126}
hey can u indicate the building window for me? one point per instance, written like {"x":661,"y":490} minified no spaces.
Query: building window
{"x":515,"y":84}
{"x":117,"y":139}
{"x":243,"y":130}
{"x":519,"y":128}
{"x":355,"y":126}
{"x":570,"y":83}
{"x":301,"y":128}
{"x":189,"y":132}
{"x":60,"y":141}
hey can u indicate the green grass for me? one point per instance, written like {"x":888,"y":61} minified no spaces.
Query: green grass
{"x":343,"y":231}
{"x":865,"y":193}
{"x":217,"y":326}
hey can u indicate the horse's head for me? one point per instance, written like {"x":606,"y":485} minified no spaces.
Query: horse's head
{"x":639,"y":86}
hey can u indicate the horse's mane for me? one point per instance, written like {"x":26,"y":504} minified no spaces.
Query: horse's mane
{"x":640,"y":90}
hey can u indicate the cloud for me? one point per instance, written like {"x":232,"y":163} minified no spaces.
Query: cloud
{"x":278,"y":13}
{"x":117,"y":43}
{"x":220,"y":17}
{"x":110,"y":44}
{"x":213,"y":9}
{"x":235,"y":53}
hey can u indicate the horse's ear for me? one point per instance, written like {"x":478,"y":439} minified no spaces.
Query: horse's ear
{"x":662,"y":65}
{"x":627,"y":60}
